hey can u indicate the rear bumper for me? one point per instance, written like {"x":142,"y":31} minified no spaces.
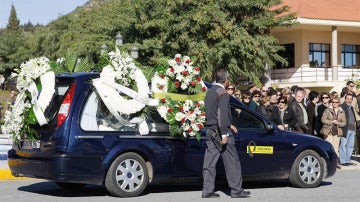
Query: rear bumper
{"x":59,"y":168}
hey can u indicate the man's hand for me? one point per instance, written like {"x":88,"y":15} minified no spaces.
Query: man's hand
{"x":224,"y":139}
{"x":233,"y":128}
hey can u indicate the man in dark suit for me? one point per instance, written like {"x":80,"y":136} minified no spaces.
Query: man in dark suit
{"x":220,"y":140}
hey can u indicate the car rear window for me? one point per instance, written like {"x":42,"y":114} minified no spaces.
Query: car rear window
{"x":62,"y":84}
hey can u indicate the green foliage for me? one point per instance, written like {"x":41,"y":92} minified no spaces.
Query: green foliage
{"x":13,"y":25}
{"x":214,"y":33}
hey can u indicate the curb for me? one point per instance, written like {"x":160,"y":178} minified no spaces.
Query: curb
{"x":5,"y":174}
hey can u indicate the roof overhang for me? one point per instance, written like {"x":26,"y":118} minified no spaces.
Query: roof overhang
{"x":308,"y":21}
{"x":320,"y":25}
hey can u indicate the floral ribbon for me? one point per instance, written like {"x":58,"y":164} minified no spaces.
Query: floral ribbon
{"x":114,"y":89}
{"x":39,"y":114}
{"x":181,"y":97}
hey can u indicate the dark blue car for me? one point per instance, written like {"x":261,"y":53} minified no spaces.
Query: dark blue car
{"x":84,"y":144}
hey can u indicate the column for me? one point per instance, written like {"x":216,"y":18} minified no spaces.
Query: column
{"x":334,"y":57}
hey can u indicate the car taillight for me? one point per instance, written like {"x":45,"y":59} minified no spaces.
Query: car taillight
{"x":65,"y":105}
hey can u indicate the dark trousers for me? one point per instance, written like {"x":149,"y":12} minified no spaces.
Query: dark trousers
{"x":231,"y":163}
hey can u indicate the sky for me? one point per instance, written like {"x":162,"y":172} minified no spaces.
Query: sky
{"x":37,"y":11}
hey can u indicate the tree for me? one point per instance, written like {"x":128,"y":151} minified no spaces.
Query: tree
{"x":11,"y":44}
{"x":216,"y":33}
{"x":13,"y":22}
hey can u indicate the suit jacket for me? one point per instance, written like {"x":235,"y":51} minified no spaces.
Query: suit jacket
{"x":300,"y":123}
{"x":289,"y":118}
{"x":344,"y":107}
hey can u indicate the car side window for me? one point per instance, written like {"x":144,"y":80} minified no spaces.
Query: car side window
{"x":244,"y":120}
{"x":96,"y":117}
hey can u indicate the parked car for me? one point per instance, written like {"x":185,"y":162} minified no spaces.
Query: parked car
{"x":84,"y":144}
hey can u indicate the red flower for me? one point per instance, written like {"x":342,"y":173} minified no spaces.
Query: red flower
{"x":197,"y":69}
{"x":182,"y":120}
{"x":162,"y":76}
{"x":202,"y":114}
{"x":185,"y":73}
{"x":163,"y":100}
{"x":170,"y":110}
{"x":172,"y":69}
{"x":193,"y":83}
{"x":203,"y":88}
{"x":197,"y":104}
{"x":177,"y":84}
{"x":161,"y":87}
{"x":200,"y":126}
{"x":190,"y":129}
{"x":188,"y":61}
{"x":181,"y":108}
{"x":177,"y":59}
{"x":198,"y":79}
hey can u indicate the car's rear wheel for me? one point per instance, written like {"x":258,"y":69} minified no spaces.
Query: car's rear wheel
{"x":307,"y":170}
{"x":70,"y":186}
{"x":127,"y":176}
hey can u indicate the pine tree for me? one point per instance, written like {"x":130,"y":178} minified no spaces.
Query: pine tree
{"x":13,"y":22}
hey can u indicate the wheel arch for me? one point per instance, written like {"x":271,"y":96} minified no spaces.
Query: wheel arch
{"x":143,"y":154}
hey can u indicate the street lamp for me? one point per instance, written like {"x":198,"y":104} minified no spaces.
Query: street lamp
{"x":118,"y":39}
{"x":134,"y":52}
{"x":104,"y":48}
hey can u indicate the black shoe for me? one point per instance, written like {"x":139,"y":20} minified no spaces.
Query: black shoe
{"x":243,"y":194}
{"x":350,"y":164}
{"x":343,"y":164}
{"x":211,"y":195}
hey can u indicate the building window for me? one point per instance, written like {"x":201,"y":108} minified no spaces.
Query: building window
{"x":288,"y":54}
{"x":350,"y":55}
{"x":319,"y":55}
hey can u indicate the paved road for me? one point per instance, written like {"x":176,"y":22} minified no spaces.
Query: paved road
{"x":344,"y":186}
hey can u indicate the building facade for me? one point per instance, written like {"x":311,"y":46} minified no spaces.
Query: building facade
{"x":323,"y":49}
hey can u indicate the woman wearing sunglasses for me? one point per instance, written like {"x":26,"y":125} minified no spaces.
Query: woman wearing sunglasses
{"x":324,"y":103}
{"x":285,"y":117}
{"x":334,"y":120}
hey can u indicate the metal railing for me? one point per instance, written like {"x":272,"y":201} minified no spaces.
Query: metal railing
{"x":309,"y":74}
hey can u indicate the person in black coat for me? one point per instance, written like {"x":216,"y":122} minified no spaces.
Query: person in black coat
{"x":284,"y":117}
{"x":313,"y":100}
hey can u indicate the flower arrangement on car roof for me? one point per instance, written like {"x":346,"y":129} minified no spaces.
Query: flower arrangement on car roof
{"x":36,"y":85}
{"x":181,"y":92}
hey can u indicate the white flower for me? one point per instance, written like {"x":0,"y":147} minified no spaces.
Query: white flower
{"x":183,"y":86}
{"x":179,"y":116}
{"x":162,"y":111}
{"x":120,"y":75}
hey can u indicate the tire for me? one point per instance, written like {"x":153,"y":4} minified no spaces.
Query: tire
{"x":127,"y":176}
{"x":70,"y":186}
{"x":307,"y":170}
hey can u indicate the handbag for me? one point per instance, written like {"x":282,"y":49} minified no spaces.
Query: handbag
{"x":334,"y":130}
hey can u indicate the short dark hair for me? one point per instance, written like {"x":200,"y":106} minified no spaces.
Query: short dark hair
{"x":221,"y":75}
{"x":349,"y":82}
{"x":313,"y":95}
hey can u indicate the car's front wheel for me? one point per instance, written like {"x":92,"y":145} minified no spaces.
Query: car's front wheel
{"x":307,"y":170}
{"x":127,"y":176}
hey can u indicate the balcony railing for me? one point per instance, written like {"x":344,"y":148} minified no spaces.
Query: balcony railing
{"x":309,"y":74}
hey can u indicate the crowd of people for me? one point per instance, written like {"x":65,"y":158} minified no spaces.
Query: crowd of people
{"x":332,"y":116}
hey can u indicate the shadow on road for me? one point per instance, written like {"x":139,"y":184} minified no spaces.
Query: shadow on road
{"x":51,"y":189}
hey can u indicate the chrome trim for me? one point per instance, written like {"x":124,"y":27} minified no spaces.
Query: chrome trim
{"x":85,"y":137}
{"x":156,"y":137}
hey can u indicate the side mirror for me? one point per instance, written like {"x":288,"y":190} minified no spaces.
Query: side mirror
{"x":269,"y":127}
